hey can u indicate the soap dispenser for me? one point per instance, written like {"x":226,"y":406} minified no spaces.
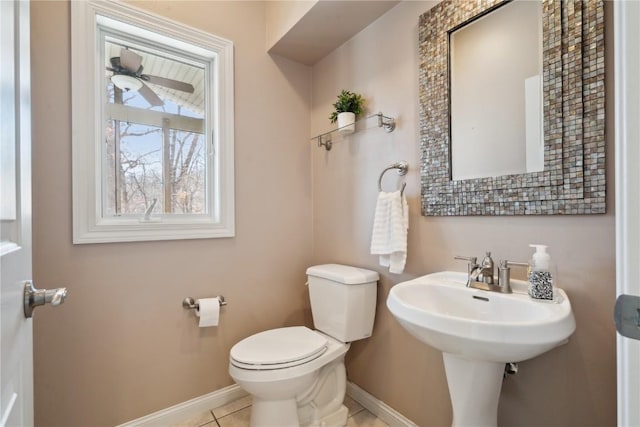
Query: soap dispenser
{"x":540,"y":276}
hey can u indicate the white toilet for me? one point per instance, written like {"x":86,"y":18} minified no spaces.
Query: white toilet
{"x":296,"y":375}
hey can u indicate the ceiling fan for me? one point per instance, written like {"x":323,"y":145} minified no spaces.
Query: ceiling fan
{"x":127,"y":75}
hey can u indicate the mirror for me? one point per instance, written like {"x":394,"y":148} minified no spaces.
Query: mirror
{"x":572,"y":179}
{"x":496,"y":93}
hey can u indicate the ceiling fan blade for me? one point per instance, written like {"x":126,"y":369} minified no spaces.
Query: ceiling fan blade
{"x":150,"y":95}
{"x":130,"y":60}
{"x":169,"y":83}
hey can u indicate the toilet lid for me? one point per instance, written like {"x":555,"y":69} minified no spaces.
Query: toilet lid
{"x":278,"y":348}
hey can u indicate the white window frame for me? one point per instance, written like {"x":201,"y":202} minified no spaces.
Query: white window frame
{"x":89,"y":224}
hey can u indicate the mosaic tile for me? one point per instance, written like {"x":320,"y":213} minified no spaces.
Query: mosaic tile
{"x":573,"y":82}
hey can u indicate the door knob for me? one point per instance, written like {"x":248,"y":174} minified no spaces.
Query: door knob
{"x":627,"y":316}
{"x":35,"y":297}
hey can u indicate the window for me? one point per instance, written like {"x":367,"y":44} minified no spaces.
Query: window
{"x":152,"y":113}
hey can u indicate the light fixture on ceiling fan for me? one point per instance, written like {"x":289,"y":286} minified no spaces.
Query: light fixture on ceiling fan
{"x":127,"y":75}
{"x":126,"y":83}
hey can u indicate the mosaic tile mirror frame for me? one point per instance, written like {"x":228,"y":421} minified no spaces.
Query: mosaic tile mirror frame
{"x":573,"y":179}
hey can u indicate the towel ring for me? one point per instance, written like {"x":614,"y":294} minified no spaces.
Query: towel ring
{"x":402,"y":167}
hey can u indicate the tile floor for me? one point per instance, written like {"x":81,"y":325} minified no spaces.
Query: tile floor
{"x":236,"y":414}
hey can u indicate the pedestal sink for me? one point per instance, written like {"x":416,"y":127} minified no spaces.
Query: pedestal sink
{"x":478,"y":332}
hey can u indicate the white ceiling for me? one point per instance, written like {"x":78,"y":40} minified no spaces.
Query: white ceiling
{"x":327,"y":25}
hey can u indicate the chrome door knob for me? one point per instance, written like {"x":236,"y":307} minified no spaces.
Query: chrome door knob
{"x":35,"y":297}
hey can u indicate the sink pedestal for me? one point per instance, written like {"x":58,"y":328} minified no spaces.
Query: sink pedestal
{"x":474,"y":387}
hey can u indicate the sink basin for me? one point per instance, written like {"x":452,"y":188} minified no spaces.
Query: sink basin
{"x":441,"y":311}
{"x":478,"y":332}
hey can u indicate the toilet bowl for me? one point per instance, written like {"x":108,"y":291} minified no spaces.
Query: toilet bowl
{"x":296,"y":375}
{"x":283,"y":369}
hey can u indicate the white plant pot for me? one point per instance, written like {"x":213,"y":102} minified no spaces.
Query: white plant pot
{"x":346,"y":122}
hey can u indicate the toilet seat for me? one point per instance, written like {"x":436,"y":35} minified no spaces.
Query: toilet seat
{"x":278,"y":349}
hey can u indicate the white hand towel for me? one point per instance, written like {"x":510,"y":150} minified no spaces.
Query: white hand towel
{"x":390,"y":225}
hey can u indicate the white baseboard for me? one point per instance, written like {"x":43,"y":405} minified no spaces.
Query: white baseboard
{"x":185,"y":410}
{"x":378,"y":408}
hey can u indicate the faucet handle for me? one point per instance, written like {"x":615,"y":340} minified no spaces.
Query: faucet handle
{"x":504,"y":273}
{"x":506,"y":264}
{"x":473,"y":262}
{"x":472,"y":259}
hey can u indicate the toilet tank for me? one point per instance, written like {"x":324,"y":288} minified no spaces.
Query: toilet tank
{"x":343,"y":300}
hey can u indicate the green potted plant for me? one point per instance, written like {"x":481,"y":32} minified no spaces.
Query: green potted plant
{"x":348,"y":106}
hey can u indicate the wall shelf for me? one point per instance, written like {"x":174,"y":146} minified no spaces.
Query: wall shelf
{"x":387,"y":123}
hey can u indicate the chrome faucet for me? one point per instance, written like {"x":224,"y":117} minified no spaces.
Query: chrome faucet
{"x":482,"y":276}
{"x":479,"y":272}
{"x":487,"y":269}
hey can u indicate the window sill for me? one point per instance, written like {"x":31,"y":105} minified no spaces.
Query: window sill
{"x":135,"y":230}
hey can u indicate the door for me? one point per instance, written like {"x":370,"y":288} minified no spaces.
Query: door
{"x":627,"y":129}
{"x":16,"y":349}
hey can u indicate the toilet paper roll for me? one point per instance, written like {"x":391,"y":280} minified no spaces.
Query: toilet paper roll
{"x":208,"y":311}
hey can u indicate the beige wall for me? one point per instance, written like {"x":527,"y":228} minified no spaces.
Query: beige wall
{"x":573,"y":385}
{"x":122,"y":346}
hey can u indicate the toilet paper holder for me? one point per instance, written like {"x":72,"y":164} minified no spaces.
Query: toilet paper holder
{"x":190,"y":303}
